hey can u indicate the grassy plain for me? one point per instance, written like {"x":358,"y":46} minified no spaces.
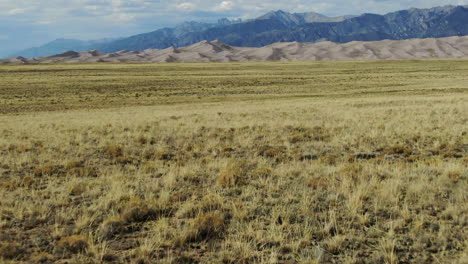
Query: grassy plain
{"x":320,"y":162}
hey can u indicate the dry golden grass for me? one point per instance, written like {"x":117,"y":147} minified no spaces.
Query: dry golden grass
{"x":52,"y":87}
{"x":370,"y":178}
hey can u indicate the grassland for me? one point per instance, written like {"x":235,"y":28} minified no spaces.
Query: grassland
{"x":48,"y":87}
{"x":338,"y":162}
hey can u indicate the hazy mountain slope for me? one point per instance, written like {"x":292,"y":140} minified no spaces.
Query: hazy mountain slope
{"x":217,"y":51}
{"x":193,"y":32}
{"x":161,"y":38}
{"x":59,"y":46}
{"x":228,"y":31}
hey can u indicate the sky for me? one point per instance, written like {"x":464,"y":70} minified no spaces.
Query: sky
{"x":28,"y":23}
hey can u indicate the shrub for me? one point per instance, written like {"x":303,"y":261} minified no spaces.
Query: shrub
{"x":137,"y":210}
{"x":41,"y":257}
{"x":163,"y":155}
{"x":233,"y":174}
{"x":114,"y":151}
{"x":229,"y":178}
{"x":84,"y":172}
{"x":8,"y":186}
{"x":78,"y":189}
{"x":77,"y":168}
{"x":261,"y":172}
{"x":402,"y":150}
{"x":454,"y":175}
{"x":11,"y":250}
{"x":206,"y":226}
{"x":270,"y":152}
{"x":111,"y":227}
{"x":276,"y":153}
{"x":27,"y":181}
{"x":48,"y":170}
{"x":299,"y":138}
{"x":74,"y":164}
{"x":73,"y":244}
{"x":330,"y":159}
{"x":142,"y":140}
{"x":319,"y":183}
{"x":351,"y":170}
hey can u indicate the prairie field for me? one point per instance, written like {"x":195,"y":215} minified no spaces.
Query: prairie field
{"x":305,"y":162}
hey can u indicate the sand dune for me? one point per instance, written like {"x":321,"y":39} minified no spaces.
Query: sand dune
{"x":216,"y":51}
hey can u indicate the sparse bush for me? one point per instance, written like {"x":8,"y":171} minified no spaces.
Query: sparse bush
{"x":270,"y":152}
{"x":352,"y":171}
{"x":41,"y":257}
{"x":330,"y":159}
{"x":114,"y":151}
{"x":454,"y":175}
{"x":132,"y":211}
{"x":112,"y":227}
{"x":235,"y":173}
{"x":137,"y":210}
{"x":319,"y":183}
{"x":11,"y":250}
{"x":335,"y":244}
{"x":7,"y":185}
{"x":74,"y":164}
{"x":276,"y":153}
{"x":84,"y":172}
{"x":77,"y":168}
{"x":206,"y":226}
{"x":20,"y":148}
{"x":299,"y":138}
{"x":229,"y":177}
{"x":123,"y":160}
{"x":48,"y":170}
{"x":73,"y":244}
{"x":27,"y":181}
{"x":142,"y":140}
{"x":261,"y":173}
{"x":164,"y":155}
{"x":303,"y":134}
{"x":78,"y":189}
{"x":402,"y":150}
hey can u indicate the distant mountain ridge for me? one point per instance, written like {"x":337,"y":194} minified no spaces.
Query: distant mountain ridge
{"x":217,"y":51}
{"x":281,"y":26}
{"x":62,"y":45}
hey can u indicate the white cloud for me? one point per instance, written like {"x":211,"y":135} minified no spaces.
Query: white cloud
{"x":3,"y":37}
{"x":16,"y":11}
{"x":124,"y":17}
{"x":225,"y":6}
{"x":186,"y":6}
{"x":45,"y":22}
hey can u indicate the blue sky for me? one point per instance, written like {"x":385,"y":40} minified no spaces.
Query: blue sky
{"x":27,"y":23}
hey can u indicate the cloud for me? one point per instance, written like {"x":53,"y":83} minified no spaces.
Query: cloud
{"x":16,"y":11}
{"x":45,"y":22}
{"x":225,"y":6}
{"x":124,"y":17}
{"x":3,"y":37}
{"x":186,"y":6}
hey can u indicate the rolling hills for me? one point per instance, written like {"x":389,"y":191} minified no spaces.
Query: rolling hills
{"x":217,"y":51}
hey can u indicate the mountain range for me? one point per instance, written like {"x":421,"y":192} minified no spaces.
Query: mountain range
{"x":281,"y":26}
{"x":217,"y":51}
